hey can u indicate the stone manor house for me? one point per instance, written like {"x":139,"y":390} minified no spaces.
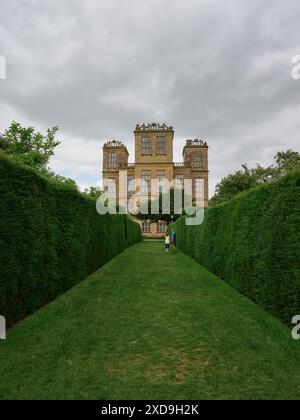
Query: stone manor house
{"x":154,"y":161}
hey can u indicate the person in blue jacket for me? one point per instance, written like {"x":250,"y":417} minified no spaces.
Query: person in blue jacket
{"x":174,"y":239}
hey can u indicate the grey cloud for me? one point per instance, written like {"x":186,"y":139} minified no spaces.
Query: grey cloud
{"x":213,"y":69}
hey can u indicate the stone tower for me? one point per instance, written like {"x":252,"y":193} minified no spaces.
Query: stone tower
{"x":154,"y":150}
{"x":195,"y":157}
{"x":115,"y":155}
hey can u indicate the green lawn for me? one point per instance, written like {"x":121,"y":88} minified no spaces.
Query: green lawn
{"x":150,"y":325}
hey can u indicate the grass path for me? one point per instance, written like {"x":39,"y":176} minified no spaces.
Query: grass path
{"x":150,"y":326}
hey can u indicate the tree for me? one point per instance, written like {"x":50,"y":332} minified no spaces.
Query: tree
{"x":68,"y":182}
{"x":246,"y":178}
{"x":168,"y":217}
{"x":33,"y":149}
{"x":287,"y":161}
{"x":27,"y":146}
{"x":232,"y":185}
{"x":94,"y":192}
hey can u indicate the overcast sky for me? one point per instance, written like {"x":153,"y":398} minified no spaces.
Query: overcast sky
{"x":213,"y":69}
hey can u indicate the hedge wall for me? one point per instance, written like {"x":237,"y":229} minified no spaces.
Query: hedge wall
{"x":51,"y":238}
{"x":253,"y":243}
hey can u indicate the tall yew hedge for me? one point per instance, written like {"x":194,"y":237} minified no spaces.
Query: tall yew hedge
{"x":51,"y":237}
{"x":253,"y":243}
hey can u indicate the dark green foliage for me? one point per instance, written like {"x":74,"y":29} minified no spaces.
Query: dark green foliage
{"x":253,"y":243}
{"x":245,"y":179}
{"x":51,"y":237}
{"x":133,"y":233}
{"x":93,"y":192}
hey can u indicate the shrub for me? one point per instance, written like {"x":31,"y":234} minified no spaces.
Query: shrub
{"x":253,"y":243}
{"x":51,"y":238}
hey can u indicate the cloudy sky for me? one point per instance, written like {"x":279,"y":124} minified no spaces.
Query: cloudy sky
{"x":213,"y":69}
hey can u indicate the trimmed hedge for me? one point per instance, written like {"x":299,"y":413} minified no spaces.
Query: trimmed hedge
{"x":253,"y":243}
{"x":51,"y":238}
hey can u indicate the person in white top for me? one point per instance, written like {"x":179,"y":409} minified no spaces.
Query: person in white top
{"x":167,"y":242}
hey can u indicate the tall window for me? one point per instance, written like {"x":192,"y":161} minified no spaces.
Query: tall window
{"x":146,"y":146}
{"x":197,"y":160}
{"x":130,"y":182}
{"x":146,"y":182}
{"x":146,"y":227}
{"x":112,"y":160}
{"x":161,"y":146}
{"x":112,"y":189}
{"x":179,"y":182}
{"x":162,"y":181}
{"x":199,"y":188}
{"x":161,"y":227}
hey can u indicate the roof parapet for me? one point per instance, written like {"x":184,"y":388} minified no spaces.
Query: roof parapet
{"x":196,"y":143}
{"x":114,"y":144}
{"x":153,"y":127}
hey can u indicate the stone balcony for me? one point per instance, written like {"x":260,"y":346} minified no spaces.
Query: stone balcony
{"x":126,"y":165}
{"x":182,"y":164}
